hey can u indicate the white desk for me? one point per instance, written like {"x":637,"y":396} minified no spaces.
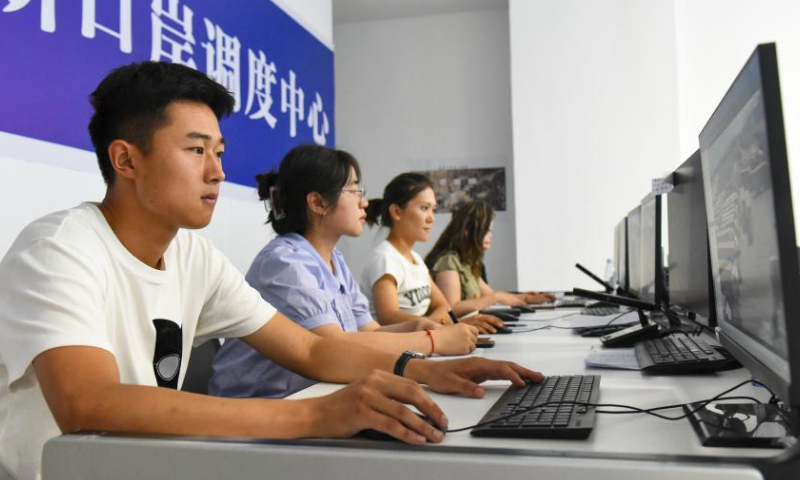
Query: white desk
{"x":621,"y":446}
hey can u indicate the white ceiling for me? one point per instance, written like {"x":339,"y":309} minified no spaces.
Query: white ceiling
{"x":350,"y":11}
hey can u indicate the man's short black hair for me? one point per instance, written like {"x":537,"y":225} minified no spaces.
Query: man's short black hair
{"x":130,"y":104}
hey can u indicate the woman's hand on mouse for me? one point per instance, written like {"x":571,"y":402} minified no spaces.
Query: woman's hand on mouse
{"x":535,"y":297}
{"x":484,"y":323}
{"x":510,"y":299}
{"x":376,"y":401}
{"x":462,"y":376}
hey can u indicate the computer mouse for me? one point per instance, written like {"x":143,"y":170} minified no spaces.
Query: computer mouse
{"x":503,"y":330}
{"x":508,"y":312}
{"x":372,"y":434}
{"x":505,"y":317}
{"x":526,"y":309}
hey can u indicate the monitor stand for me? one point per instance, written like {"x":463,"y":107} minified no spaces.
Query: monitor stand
{"x":628,"y":337}
{"x":751,"y":425}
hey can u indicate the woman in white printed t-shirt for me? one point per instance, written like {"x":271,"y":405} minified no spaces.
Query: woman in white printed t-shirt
{"x":396,"y":280}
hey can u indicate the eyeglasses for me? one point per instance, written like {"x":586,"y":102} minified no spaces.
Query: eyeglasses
{"x":361,"y":191}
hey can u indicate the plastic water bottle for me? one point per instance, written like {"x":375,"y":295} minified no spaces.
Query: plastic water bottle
{"x":609,"y":273}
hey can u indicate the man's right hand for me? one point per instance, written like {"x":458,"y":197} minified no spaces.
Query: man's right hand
{"x":376,"y":401}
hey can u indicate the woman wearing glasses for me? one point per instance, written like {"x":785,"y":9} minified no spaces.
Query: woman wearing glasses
{"x":315,"y":198}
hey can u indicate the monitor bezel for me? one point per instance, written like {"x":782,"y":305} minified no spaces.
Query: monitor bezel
{"x":658,"y":266}
{"x":621,"y":236}
{"x":633,"y":262}
{"x":675,"y":234}
{"x":789,"y":391}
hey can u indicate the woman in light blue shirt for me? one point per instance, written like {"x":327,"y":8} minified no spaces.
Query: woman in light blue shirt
{"x":315,"y":198}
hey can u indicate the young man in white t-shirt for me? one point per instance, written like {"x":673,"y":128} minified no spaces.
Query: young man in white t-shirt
{"x":101,"y":304}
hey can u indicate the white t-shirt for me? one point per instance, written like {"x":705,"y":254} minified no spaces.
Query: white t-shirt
{"x":68,"y":280}
{"x":413,"y":279}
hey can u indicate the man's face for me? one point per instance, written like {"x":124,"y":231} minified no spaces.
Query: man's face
{"x":178,"y":179}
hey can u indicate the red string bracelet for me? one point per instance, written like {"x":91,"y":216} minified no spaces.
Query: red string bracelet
{"x":433,"y":346}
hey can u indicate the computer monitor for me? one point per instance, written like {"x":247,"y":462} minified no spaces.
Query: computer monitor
{"x":651,"y":269}
{"x":621,"y":256}
{"x":616,"y":254}
{"x":634,"y":262}
{"x":690,"y":290}
{"x":751,"y":228}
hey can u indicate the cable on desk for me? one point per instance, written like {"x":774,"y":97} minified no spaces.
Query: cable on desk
{"x":618,"y":317}
{"x":572,"y":328}
{"x":630,"y":409}
{"x":566,"y":315}
{"x":693,"y":332}
{"x":672,"y":313}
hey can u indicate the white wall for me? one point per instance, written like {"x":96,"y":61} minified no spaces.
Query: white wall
{"x":315,"y":15}
{"x":33,"y":185}
{"x":595,"y":117}
{"x":424,"y":93}
{"x":714,"y":39}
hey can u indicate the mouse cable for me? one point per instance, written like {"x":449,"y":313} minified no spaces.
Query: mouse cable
{"x":574,"y":328}
{"x":618,"y":317}
{"x":629,"y":409}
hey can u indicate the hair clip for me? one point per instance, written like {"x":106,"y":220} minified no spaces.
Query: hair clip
{"x":277,"y":214}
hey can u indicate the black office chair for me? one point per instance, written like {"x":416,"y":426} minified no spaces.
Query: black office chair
{"x":199,"y":371}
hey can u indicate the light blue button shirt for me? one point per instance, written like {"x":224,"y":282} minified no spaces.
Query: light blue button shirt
{"x":294,"y":278}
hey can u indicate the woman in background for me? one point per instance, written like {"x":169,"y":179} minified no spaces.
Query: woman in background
{"x":456,"y":259}
{"x":396,"y":280}
{"x":315,"y":199}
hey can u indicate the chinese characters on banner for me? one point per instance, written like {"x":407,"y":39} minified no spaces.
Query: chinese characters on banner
{"x":280,"y":76}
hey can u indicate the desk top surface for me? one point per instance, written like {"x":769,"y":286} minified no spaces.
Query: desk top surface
{"x":560,"y":352}
{"x":618,"y":444}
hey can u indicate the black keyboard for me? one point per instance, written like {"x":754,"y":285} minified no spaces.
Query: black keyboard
{"x":599,"y":331}
{"x":570,"y":302}
{"x":555,"y":420}
{"x":678,"y":353}
{"x":600,"y":311}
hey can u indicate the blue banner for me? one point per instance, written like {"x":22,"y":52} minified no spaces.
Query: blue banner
{"x":54,"y":53}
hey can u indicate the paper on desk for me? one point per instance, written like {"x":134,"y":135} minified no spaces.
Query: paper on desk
{"x":478,"y":352}
{"x":496,"y":306}
{"x":545,"y":317}
{"x":582,"y":321}
{"x":537,"y":317}
{"x":621,"y":358}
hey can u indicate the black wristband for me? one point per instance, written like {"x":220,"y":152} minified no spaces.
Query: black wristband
{"x":400,"y":364}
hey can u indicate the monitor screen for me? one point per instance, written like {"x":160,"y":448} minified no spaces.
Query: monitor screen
{"x":688,"y":241}
{"x":751,"y":225}
{"x":634,"y":262}
{"x":650,"y":268}
{"x":621,"y":255}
